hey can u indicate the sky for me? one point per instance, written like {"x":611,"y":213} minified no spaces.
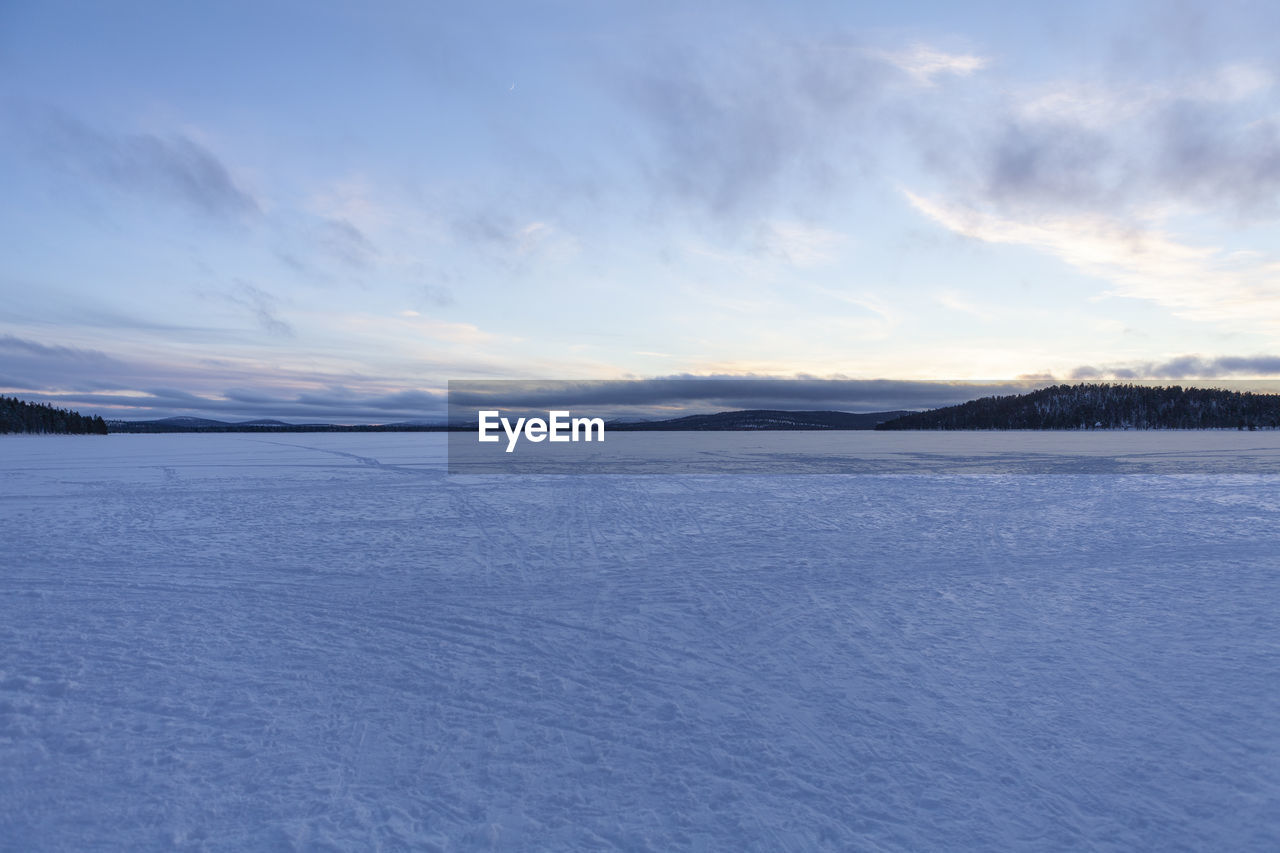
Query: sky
{"x":326,"y":211}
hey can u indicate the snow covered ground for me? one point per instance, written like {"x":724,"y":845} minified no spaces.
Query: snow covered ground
{"x":232,"y":642}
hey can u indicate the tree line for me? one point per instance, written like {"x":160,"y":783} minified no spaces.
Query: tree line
{"x":1105,"y":406}
{"x":19,"y":416}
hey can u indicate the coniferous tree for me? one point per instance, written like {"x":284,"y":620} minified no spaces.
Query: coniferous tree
{"x":1105,"y":406}
{"x":19,"y":416}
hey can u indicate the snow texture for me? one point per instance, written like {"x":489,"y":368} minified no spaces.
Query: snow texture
{"x":318,"y":642}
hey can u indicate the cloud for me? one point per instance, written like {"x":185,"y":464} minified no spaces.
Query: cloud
{"x":1236,"y":81}
{"x":773,"y":246}
{"x":12,"y":345}
{"x":437,"y":295}
{"x":38,"y":361}
{"x":1207,"y":142}
{"x":356,"y":201}
{"x":323,"y":250}
{"x":337,"y":405}
{"x":749,"y":127}
{"x":100,"y":383}
{"x":956,"y":302}
{"x":510,"y":242}
{"x":46,"y":368}
{"x":1214,"y":163}
{"x":1107,"y":173}
{"x":798,"y":243}
{"x":140,"y":379}
{"x":924,"y":63}
{"x":1185,"y":367}
{"x":173,"y":168}
{"x":262,"y":305}
{"x":1098,"y":105}
{"x":749,"y":132}
{"x":343,"y":241}
{"x":1141,"y":262}
{"x":1042,"y":164}
{"x":481,"y":226}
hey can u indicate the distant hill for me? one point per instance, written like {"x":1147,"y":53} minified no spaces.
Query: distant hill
{"x":19,"y":416}
{"x":1104,"y":406}
{"x":180,"y":424}
{"x":1074,"y":407}
{"x":754,"y":419}
{"x":762,"y":419}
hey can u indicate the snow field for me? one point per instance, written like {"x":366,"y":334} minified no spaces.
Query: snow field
{"x":323,"y":642}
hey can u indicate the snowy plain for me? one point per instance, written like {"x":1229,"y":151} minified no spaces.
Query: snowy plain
{"x":325,"y":642}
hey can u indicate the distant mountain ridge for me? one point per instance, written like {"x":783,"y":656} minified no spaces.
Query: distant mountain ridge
{"x":763,"y":419}
{"x":1070,"y":407}
{"x":750,"y":419}
{"x":1103,"y":406}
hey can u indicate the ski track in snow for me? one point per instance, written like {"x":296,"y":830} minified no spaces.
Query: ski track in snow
{"x":312,"y":642}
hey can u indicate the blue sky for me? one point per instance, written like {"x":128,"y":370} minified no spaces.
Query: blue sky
{"x":329,"y":210}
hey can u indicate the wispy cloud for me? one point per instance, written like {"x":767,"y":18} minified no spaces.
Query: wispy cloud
{"x":344,"y":242}
{"x":34,"y":358}
{"x":437,"y":295}
{"x":956,"y":302}
{"x":263,"y":306}
{"x":337,"y":404}
{"x":753,"y":127}
{"x":799,"y":244}
{"x":542,"y":239}
{"x":1100,"y":104}
{"x":508,"y":240}
{"x":773,"y":246}
{"x":925,"y":64}
{"x":1207,"y":143}
{"x":1184,"y":367}
{"x":172,"y":168}
{"x":1139,"y":261}
{"x":142,"y":386}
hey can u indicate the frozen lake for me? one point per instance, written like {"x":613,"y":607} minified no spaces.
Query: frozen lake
{"x":323,"y":641}
{"x":871,"y":452}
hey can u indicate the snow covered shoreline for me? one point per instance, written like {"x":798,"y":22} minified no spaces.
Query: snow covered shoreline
{"x":311,"y":641}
